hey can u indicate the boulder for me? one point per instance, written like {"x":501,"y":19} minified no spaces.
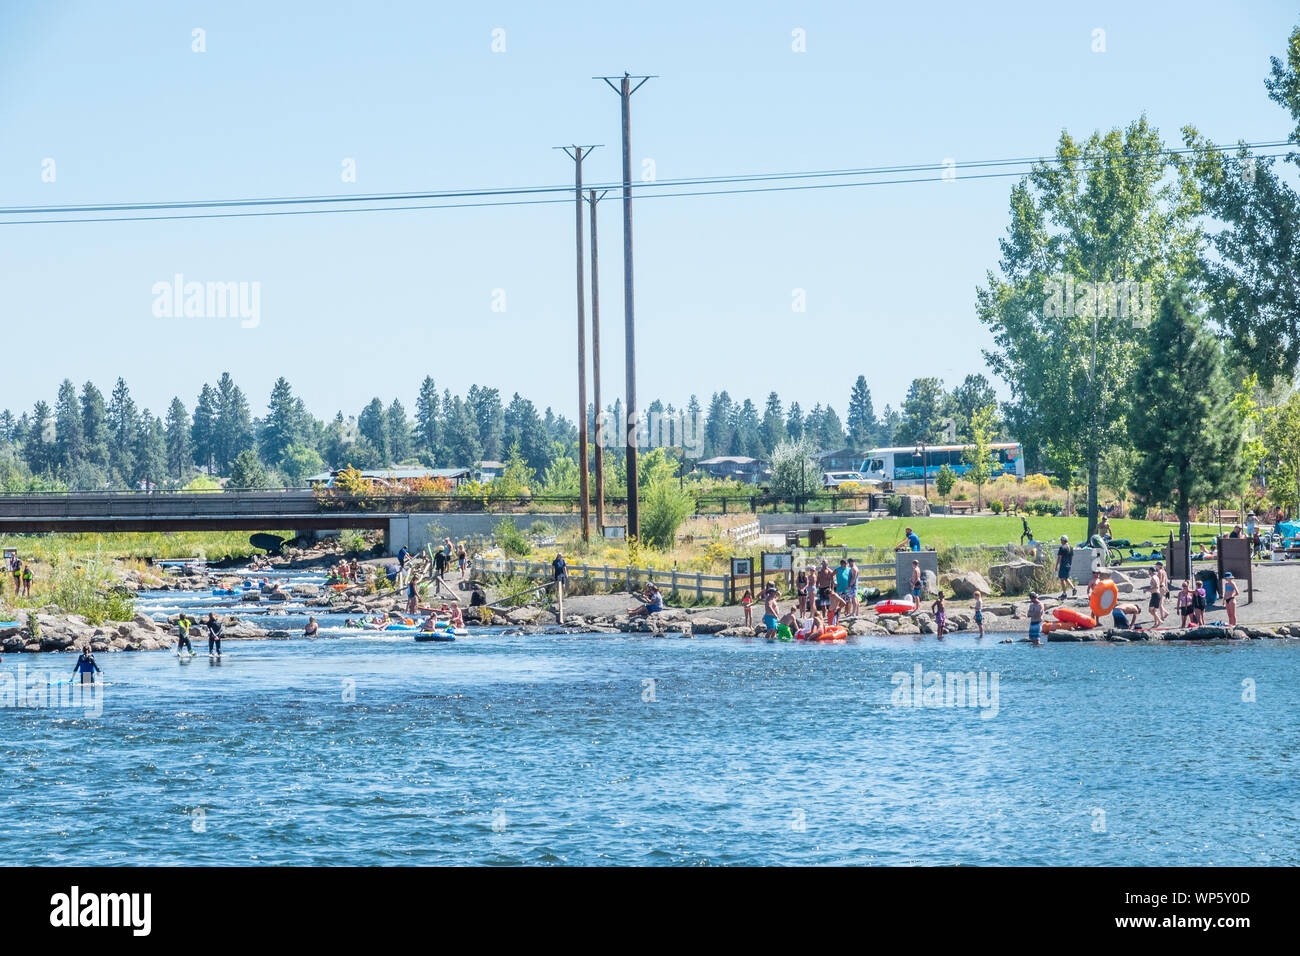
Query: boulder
{"x":277,"y":596}
{"x":964,"y":584}
{"x":707,"y":625}
{"x":305,"y":590}
{"x":524,"y":615}
{"x":1014,"y":576}
{"x":145,"y":623}
{"x":737,"y":631}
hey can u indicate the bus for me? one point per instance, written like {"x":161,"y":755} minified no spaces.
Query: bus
{"x":903,"y":465}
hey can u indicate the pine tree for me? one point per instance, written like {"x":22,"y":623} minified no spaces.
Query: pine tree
{"x":68,"y":434}
{"x":372,"y":425}
{"x":489,"y":416}
{"x":203,"y":430}
{"x":233,"y":431}
{"x":794,"y":422}
{"x":94,"y":426}
{"x":282,"y":426}
{"x":177,"y":436}
{"x":149,"y":453}
{"x":862,"y":416}
{"x":720,"y":425}
{"x":39,"y":447}
{"x":1187,"y":429}
{"x":399,"y":432}
{"x":428,"y":427}
{"x":122,"y":428}
{"x":773,"y":424}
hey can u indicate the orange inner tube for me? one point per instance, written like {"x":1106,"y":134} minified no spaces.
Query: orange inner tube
{"x":1103,"y":599}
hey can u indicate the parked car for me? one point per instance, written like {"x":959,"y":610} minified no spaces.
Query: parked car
{"x":832,"y":479}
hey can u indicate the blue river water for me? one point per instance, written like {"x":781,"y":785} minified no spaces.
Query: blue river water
{"x":370,"y":749}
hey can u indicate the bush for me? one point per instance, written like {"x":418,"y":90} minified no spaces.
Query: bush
{"x":894,"y":505}
{"x":996,"y":506}
{"x":352,"y":540}
{"x":666,"y":507}
{"x":511,"y":539}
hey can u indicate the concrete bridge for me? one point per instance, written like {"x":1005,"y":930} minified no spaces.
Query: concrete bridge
{"x":297,"y":510}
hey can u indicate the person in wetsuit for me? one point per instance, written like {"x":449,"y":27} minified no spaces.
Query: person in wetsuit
{"x":214,"y":634}
{"x":86,"y":666}
{"x":183,"y":642}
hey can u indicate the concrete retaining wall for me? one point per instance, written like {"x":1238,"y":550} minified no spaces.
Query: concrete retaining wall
{"x":414,"y":531}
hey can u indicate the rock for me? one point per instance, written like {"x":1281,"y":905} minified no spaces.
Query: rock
{"x":861,"y":628}
{"x":929,"y":583}
{"x":14,"y":644}
{"x":278,"y":635}
{"x":965,"y":583}
{"x":250,"y":597}
{"x":737,"y":631}
{"x":1014,"y":576}
{"x":524,"y":615}
{"x":277,"y":596}
{"x":707,"y":625}
{"x":145,"y":623}
{"x":1000,"y":610}
{"x":924,"y":622}
{"x":305,"y":590}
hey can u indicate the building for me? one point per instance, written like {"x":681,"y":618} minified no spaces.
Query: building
{"x":750,"y":471}
{"x":488,"y":470}
{"x":841,"y":459}
{"x":392,"y":476}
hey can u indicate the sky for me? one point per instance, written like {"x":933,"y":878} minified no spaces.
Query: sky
{"x":414,"y":94}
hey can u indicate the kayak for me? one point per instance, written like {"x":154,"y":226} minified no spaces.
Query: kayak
{"x":829,"y":635}
{"x":895,"y":607}
{"x":1068,"y":615}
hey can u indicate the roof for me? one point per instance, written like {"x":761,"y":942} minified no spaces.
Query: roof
{"x":729,"y":460}
{"x":398,"y":474}
{"x":491,"y":464}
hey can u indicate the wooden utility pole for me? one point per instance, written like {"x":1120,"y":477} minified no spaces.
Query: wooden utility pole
{"x":595,"y":366}
{"x":584,"y":505}
{"x":625,"y":89}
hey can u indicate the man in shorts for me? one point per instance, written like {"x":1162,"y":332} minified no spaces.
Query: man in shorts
{"x":770,"y":619}
{"x":1035,"y":619}
{"x":1064,"y":558}
{"x":825,"y":583}
{"x":914,"y":584}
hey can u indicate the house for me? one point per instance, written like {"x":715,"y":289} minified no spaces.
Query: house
{"x":488,"y":470}
{"x":750,"y":471}
{"x":391,"y":476}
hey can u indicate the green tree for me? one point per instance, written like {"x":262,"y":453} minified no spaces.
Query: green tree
{"x":69,"y":435}
{"x":123,"y":427}
{"x":233,"y":427}
{"x":94,"y":427}
{"x":944,"y":481}
{"x":665,"y":506}
{"x":922,"y":413}
{"x":979,"y":456}
{"x":203,"y":430}
{"x":177,"y":437}
{"x":247,"y":473}
{"x":298,"y":463}
{"x":795,"y":470}
{"x":773,"y":423}
{"x":39,"y":448}
{"x":281,"y":427}
{"x":1187,"y":431}
{"x":1087,"y":231}
{"x":428,"y":426}
{"x":372,"y":425}
{"x":969,"y":397}
{"x":399,"y":432}
{"x":862,"y":416}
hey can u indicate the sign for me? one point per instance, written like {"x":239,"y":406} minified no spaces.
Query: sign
{"x":10,"y":554}
{"x":741,"y":566}
{"x":778,"y":561}
{"x":614,"y":531}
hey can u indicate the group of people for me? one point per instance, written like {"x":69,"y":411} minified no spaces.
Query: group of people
{"x":821,"y":588}
{"x":21,"y":572}
{"x":184,"y":623}
{"x":345,"y":572}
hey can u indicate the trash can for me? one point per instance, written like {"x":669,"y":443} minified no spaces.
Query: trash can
{"x":1210,"y":581}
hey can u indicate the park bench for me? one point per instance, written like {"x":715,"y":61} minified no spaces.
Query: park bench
{"x":1229,"y":517}
{"x":961,"y":507}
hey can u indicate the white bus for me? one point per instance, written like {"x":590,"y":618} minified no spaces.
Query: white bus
{"x":904,"y":465}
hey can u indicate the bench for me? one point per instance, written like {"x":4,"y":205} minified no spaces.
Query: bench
{"x":961,"y":507}
{"x":1229,"y":517}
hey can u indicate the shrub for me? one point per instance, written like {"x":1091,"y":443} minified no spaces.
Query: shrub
{"x":996,"y":506}
{"x":666,"y":507}
{"x":894,"y":505}
{"x":352,"y":540}
{"x":511,"y":539}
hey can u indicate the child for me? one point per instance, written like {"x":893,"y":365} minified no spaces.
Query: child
{"x":915,"y":584}
{"x":940,"y":618}
{"x":1198,"y":607}
{"x":979,"y":612}
{"x":1185,"y":601}
{"x":747,"y":602}
{"x":1230,"y":597}
{"x":1035,"y":618}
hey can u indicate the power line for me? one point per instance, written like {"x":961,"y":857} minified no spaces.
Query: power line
{"x":333,"y":203}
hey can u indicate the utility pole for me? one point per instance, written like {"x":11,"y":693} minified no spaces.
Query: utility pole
{"x":595,"y":366}
{"x":625,"y":89}
{"x":584,"y":505}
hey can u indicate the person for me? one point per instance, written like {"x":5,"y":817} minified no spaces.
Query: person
{"x":214,"y":635}
{"x":801,"y":589}
{"x":979,"y":612}
{"x":560,"y":570}
{"x":825,"y":584}
{"x":1185,"y":601}
{"x":479,"y":600}
{"x":86,"y":666}
{"x":914,"y":583}
{"x":439,"y":563}
{"x":1198,"y":606}
{"x":810,"y":599}
{"x":1035,"y":618}
{"x":747,"y":601}
{"x":940,"y":618}
{"x":1235,"y":532}
{"x":816,"y":628}
{"x":1252,"y":530}
{"x":412,"y":596}
{"x":462,"y":560}
{"x":789,"y":622}
{"x":854,"y":609}
{"x":16,"y":569}
{"x":402,"y":556}
{"x":1156,"y":603}
{"x":457,"y":619}
{"x":1230,"y":592}
{"x":183,"y":641}
{"x":1064,"y":558}
{"x":653,"y":602}
{"x":837,"y":602}
{"x":351,"y":623}
{"x":1096,"y":579}
{"x":770,"y":620}
{"x":1125,"y":615}
{"x":842,"y":581}
{"x":312,"y":628}
{"x":27,"y":579}
{"x":910,"y":541}
{"x":1103,"y":527}
{"x":1026,"y":536}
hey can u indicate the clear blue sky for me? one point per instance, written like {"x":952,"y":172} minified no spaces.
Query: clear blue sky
{"x":358,"y":305}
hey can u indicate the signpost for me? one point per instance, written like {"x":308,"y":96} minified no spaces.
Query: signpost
{"x":1234,"y":556}
{"x":741,"y":567}
{"x":778,"y":562}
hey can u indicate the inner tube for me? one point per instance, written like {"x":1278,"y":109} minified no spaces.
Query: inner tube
{"x":224,"y":592}
{"x":440,"y":636}
{"x":1068,"y":615}
{"x":895,"y":607}
{"x":834,"y":634}
{"x":1103,"y":599}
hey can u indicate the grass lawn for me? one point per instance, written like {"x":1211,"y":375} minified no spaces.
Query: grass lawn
{"x":215,"y":545}
{"x":995,"y":530}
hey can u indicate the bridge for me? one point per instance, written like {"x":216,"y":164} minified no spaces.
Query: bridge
{"x":298,"y":510}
